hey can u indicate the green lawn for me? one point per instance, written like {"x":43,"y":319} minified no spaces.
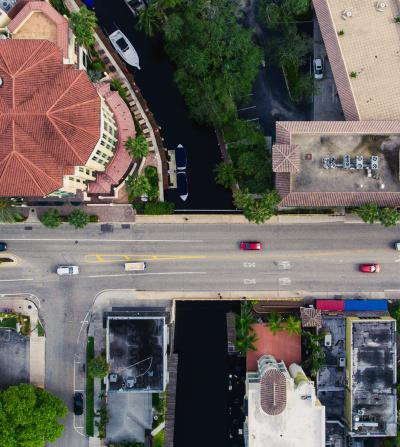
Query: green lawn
{"x":89,"y":389}
{"x":9,"y":322}
{"x":40,"y":329}
{"x":158,"y":440}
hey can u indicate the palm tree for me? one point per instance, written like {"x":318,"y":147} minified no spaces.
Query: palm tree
{"x":83,"y":23}
{"x":150,"y":19}
{"x":274,"y":322}
{"x":246,"y":343}
{"x":8,"y":214}
{"x":293,"y":325}
{"x":225,"y":175}
{"x":137,"y":147}
{"x":245,"y":335}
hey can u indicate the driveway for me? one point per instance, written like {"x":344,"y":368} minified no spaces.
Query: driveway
{"x":14,"y":358}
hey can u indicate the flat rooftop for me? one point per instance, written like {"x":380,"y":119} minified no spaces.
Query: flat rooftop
{"x":373,"y":376}
{"x":301,"y":424}
{"x":316,"y":148}
{"x":136,"y":353}
{"x":370,"y":46}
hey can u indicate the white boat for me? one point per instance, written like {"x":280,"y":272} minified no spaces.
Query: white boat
{"x":124,"y":48}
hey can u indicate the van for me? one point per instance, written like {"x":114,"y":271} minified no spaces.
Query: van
{"x":135,"y":266}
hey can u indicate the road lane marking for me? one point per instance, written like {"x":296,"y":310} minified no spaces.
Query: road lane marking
{"x":21,"y":279}
{"x":146,"y":274}
{"x":284,"y":281}
{"x":104,"y":240}
{"x":249,"y":264}
{"x":284,"y":265}
{"x":249,"y":281}
{"x":108,"y":258}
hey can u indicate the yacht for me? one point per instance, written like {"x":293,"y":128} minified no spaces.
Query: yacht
{"x":182,"y":185}
{"x":124,"y":48}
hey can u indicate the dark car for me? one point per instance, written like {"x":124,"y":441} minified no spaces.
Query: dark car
{"x":78,"y":404}
{"x":251,"y":245}
{"x":3,"y":246}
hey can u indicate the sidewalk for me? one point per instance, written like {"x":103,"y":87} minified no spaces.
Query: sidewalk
{"x":37,"y":345}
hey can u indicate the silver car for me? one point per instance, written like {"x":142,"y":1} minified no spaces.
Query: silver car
{"x":63,"y":270}
{"x":318,"y":69}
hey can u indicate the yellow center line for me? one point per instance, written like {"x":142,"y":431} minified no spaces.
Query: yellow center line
{"x":116,"y":257}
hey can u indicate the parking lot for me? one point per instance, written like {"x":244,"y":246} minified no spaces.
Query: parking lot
{"x":14,"y":358}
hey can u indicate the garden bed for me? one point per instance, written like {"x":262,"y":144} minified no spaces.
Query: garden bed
{"x":89,"y":419}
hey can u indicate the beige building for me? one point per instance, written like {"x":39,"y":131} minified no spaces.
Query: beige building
{"x":282,"y":408}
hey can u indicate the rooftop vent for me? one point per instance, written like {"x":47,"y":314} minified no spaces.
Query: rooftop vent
{"x":346,"y":14}
{"x":1,"y":81}
{"x":380,"y":6}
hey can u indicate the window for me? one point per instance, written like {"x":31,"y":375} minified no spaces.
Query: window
{"x":80,"y":169}
{"x":98,"y":152}
{"x":71,"y":178}
{"x":88,"y":172}
{"x":95,"y":158}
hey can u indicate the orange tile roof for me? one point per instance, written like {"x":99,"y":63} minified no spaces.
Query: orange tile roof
{"x":49,"y":118}
{"x":51,"y":13}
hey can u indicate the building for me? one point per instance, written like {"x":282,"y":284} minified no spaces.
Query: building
{"x":371,"y":376}
{"x":337,"y":163}
{"x":60,"y":132}
{"x":136,"y":351}
{"x":362,"y":43}
{"x":281,"y":407}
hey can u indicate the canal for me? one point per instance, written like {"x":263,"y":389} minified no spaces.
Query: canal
{"x":207,"y":412}
{"x":156,"y":81}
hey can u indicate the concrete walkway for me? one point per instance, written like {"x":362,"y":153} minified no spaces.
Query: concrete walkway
{"x":37,"y":345}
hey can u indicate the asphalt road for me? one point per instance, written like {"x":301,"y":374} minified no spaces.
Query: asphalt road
{"x":182,"y":257}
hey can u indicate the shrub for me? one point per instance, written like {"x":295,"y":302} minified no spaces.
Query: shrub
{"x":8,"y":214}
{"x":118,"y":86}
{"x":159,"y":208}
{"x":98,"y":367}
{"x":341,"y":32}
{"x":137,"y":186}
{"x":353,"y":74}
{"x":137,"y":147}
{"x":78,"y":219}
{"x":51,"y":218}
{"x":397,"y":19}
{"x":93,"y":218}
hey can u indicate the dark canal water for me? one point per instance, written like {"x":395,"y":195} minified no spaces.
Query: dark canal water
{"x":155,"y":80}
{"x":204,"y":415}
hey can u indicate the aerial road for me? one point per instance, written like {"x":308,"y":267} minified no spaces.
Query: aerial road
{"x":181,"y":257}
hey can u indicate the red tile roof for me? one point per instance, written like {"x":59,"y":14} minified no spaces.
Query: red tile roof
{"x":285,"y":158}
{"x":51,"y":13}
{"x":273,"y":395}
{"x":49,"y":118}
{"x":284,"y":132}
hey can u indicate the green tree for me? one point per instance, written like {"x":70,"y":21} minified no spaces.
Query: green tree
{"x":293,"y":325}
{"x":257,"y":209}
{"x":159,"y":208}
{"x":118,"y":86}
{"x":152,"y":175}
{"x":98,"y":367}
{"x":316,"y":355}
{"x":303,"y":89}
{"x":248,"y":163}
{"x":137,"y":186}
{"x":369,"y":213}
{"x":241,"y":132}
{"x":291,"y":48}
{"x":173,"y":28}
{"x":245,"y":334}
{"x":29,"y":416}
{"x":51,"y":218}
{"x":78,"y":219}
{"x":150,"y":19}
{"x":294,"y":8}
{"x":274,"y":322}
{"x":8,"y":214}
{"x":83,"y":23}
{"x":225,"y":175}
{"x":389,"y":217}
{"x":137,"y":147}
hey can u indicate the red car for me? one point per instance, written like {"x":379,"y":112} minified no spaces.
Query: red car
{"x":370,"y":268}
{"x":250,"y":245}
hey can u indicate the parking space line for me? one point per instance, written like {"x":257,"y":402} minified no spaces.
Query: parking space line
{"x":247,"y":108}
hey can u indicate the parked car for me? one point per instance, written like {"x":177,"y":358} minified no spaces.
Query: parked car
{"x":78,"y":404}
{"x":370,"y":268}
{"x":251,"y":245}
{"x":397,"y":246}
{"x":63,"y":270}
{"x":3,"y":246}
{"x":318,"y":68}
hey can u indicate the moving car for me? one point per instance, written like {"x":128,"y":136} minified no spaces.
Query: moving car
{"x":251,"y":245}
{"x":78,"y":404}
{"x":370,"y":268}
{"x":3,"y":246}
{"x":135,"y":266}
{"x":63,"y":270}
{"x":124,"y":48}
{"x":318,"y":68}
{"x":397,"y":246}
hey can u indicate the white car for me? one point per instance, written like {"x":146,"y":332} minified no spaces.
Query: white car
{"x":397,"y":246}
{"x":63,"y":270}
{"x":318,"y":69}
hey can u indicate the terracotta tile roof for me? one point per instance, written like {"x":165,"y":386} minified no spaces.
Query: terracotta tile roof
{"x":342,"y":81}
{"x":285,"y":158}
{"x":310,"y":317}
{"x":273,"y":392}
{"x":284,"y":132}
{"x":49,"y":117}
{"x":51,"y":13}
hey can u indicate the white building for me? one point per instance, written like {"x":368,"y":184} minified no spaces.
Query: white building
{"x":281,"y":407}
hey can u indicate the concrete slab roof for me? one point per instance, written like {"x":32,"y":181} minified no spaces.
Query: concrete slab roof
{"x":369,"y":47}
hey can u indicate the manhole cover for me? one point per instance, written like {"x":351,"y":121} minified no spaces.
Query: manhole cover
{"x":125,"y":226}
{"x":28,"y":228}
{"x":106,"y":228}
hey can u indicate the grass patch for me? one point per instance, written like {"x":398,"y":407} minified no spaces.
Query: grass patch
{"x":159,"y":403}
{"x":89,"y":389}
{"x":8,"y":322}
{"x":158,"y":440}
{"x":25,"y":325}
{"x":40,"y":329}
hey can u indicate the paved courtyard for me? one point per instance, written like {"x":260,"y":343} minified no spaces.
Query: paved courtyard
{"x":14,"y":358}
